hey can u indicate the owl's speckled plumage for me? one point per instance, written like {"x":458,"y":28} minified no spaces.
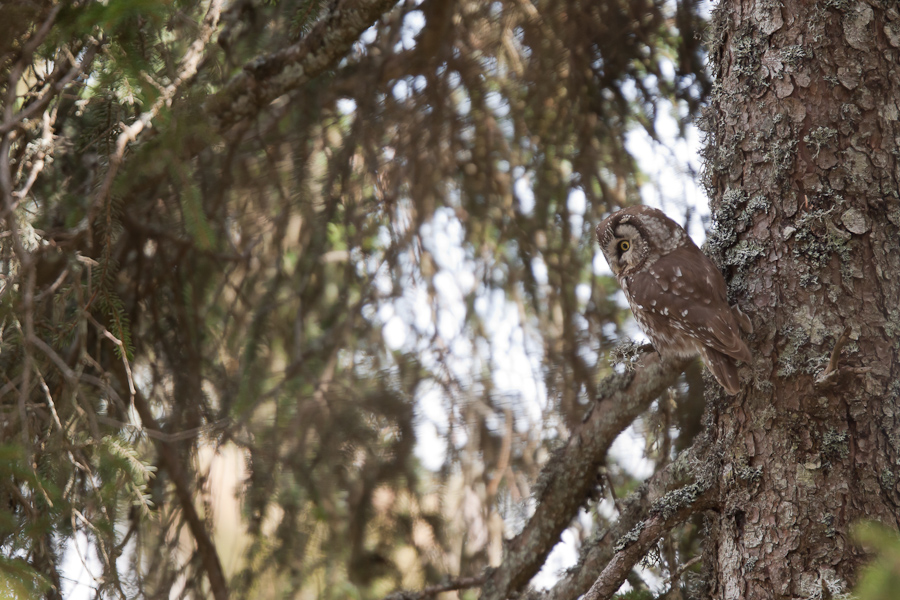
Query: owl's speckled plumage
{"x":676,"y":293}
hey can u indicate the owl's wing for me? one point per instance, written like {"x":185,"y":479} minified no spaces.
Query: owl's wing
{"x":687,"y":290}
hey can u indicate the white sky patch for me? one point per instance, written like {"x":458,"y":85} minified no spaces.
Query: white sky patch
{"x":539,"y":270}
{"x":583,"y":293}
{"x":383,"y":282}
{"x":443,"y":237}
{"x":431,"y":447}
{"x":346,"y":106}
{"x":79,"y":567}
{"x":515,"y":368}
{"x":628,"y":452}
{"x":395,"y":332}
{"x":431,"y":425}
{"x":413,"y":23}
{"x":577,"y":204}
{"x":600,"y":266}
{"x":400,"y":90}
{"x":525,"y":194}
{"x":563,"y":556}
{"x":453,"y":308}
{"x":672,"y":165}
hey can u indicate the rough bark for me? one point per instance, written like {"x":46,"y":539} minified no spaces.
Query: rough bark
{"x":803,"y":173}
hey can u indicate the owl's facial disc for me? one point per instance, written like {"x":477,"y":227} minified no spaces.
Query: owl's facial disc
{"x":623,"y":249}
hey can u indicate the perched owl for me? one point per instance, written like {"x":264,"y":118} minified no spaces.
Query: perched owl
{"x":676,"y":293}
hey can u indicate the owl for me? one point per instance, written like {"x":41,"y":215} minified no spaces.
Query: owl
{"x":676,"y":293}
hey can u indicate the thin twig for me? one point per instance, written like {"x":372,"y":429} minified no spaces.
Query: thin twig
{"x":44,"y":347}
{"x":46,"y":147}
{"x":451,"y":585}
{"x":168,"y":438}
{"x":673,"y":579}
{"x":123,"y":351}
{"x":62,"y":80}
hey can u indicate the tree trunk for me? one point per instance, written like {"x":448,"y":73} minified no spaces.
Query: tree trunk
{"x":802,"y":169}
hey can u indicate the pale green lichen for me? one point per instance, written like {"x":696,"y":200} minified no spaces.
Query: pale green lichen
{"x":744,"y":253}
{"x":746,"y":54}
{"x":820,"y":137}
{"x":828,"y":522}
{"x":671,"y":503}
{"x":835,"y":445}
{"x":629,"y":538}
{"x":887,"y":478}
{"x":794,"y":55}
{"x":781,"y":154}
{"x":749,"y":474}
{"x":817,"y":239}
{"x":789,"y":361}
{"x":627,"y":354}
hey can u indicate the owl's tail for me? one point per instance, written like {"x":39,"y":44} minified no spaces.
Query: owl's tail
{"x":724,"y":369}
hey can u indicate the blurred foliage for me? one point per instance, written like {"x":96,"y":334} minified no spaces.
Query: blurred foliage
{"x":881,"y":579}
{"x":226,"y":298}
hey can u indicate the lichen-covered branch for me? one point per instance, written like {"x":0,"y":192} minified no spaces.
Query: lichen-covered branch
{"x":268,"y":77}
{"x":648,"y":499}
{"x":668,"y":512}
{"x":571,"y":474}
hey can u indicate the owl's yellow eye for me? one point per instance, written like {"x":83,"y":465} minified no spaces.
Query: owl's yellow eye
{"x":624,"y":245}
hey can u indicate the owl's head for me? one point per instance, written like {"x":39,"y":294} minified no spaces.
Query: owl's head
{"x":635,"y":237}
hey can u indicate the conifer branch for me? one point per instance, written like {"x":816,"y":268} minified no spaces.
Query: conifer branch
{"x":268,"y":77}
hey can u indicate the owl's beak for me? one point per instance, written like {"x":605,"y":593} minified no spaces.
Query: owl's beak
{"x":616,"y":266}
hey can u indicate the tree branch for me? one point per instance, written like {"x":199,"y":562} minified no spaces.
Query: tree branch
{"x":638,"y":506}
{"x":59,"y":78}
{"x":451,"y":585}
{"x":569,"y":477}
{"x":187,"y":70}
{"x":671,"y":510}
{"x":170,"y":458}
{"x":268,"y":77}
